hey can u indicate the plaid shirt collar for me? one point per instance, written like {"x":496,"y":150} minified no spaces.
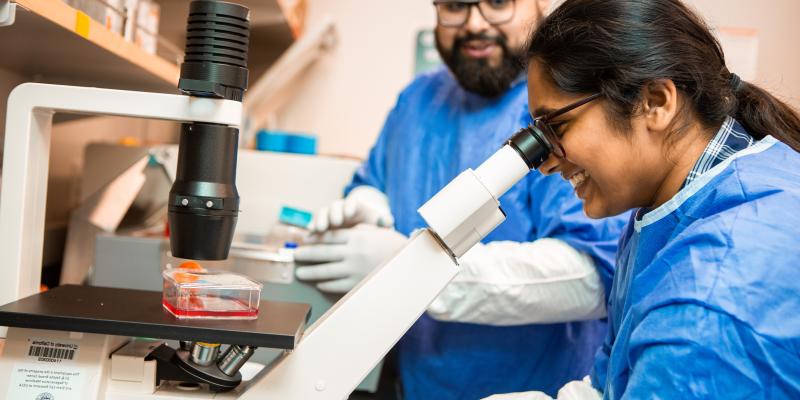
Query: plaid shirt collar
{"x":731,"y":138}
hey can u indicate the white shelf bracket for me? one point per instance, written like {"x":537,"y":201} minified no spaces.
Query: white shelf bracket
{"x":269,"y":92}
{"x":8,"y":11}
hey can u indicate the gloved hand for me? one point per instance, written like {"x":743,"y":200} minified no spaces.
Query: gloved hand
{"x":575,"y":390}
{"x":364,"y":205}
{"x":346,"y":256}
{"x":579,"y":390}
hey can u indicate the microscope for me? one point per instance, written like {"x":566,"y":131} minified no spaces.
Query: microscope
{"x":82,"y":342}
{"x":203,"y":203}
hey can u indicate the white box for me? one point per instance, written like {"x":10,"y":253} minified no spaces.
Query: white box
{"x":148,"y":15}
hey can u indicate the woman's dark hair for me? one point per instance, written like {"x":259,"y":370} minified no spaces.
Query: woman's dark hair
{"x":616,"y":47}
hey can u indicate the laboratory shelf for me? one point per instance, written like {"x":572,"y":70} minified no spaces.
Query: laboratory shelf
{"x":52,"y":42}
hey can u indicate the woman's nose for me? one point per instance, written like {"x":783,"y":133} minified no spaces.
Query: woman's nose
{"x":550,"y":166}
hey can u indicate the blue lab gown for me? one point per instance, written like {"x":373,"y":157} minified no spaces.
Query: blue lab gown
{"x":435,"y":131}
{"x":706,"y":299}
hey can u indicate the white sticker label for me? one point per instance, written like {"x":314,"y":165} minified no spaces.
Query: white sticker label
{"x":51,"y":351}
{"x":41,"y":381}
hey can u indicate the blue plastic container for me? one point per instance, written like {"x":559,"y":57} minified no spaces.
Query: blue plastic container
{"x":286,"y":142}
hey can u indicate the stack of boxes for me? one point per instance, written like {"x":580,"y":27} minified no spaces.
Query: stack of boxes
{"x":135,"y":20}
{"x":143,"y":27}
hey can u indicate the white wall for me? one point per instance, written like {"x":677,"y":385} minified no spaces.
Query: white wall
{"x":345,"y":97}
{"x":69,"y":139}
{"x":778,"y":64}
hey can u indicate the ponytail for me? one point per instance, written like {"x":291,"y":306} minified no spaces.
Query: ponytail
{"x":763,"y":114}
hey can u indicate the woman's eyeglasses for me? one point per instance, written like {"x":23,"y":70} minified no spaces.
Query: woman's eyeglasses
{"x":543,"y":125}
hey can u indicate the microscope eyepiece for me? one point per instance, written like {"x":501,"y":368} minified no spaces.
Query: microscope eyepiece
{"x":532,"y":145}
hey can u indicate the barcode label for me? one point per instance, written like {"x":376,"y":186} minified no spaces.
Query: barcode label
{"x":51,"y":352}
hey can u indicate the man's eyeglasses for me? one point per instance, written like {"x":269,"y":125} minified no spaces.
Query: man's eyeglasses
{"x":543,"y":125}
{"x":455,"y":13}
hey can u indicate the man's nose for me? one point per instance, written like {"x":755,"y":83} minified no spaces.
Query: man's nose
{"x":476,"y":23}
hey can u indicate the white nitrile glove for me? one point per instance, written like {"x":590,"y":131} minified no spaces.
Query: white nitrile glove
{"x":364,"y":205}
{"x":345,"y":256}
{"x":579,"y":390}
{"x":575,"y":390}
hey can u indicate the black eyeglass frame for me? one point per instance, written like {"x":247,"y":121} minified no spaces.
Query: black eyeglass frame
{"x":542,"y":125}
{"x":471,"y":3}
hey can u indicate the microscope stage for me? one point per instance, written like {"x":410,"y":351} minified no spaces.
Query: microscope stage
{"x":126,"y":312}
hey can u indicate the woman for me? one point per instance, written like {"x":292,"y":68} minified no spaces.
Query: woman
{"x":706,"y":298}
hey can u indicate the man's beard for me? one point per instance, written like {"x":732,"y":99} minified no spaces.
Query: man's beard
{"x":476,"y":75}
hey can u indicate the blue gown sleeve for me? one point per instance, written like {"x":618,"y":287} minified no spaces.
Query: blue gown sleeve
{"x":558,"y":213}
{"x":687,"y":351}
{"x":600,"y":367}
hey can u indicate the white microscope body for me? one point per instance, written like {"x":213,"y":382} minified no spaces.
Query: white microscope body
{"x":361,"y":328}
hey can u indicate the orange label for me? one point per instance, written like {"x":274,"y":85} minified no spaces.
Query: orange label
{"x":82,"y":24}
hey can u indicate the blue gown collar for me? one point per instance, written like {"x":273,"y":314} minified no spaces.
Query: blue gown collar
{"x":698,"y":183}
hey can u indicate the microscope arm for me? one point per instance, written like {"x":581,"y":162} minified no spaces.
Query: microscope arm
{"x":26,"y":156}
{"x":340,"y":349}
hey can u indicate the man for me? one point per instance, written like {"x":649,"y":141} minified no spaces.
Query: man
{"x":500,"y":325}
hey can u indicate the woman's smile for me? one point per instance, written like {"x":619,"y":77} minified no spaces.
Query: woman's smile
{"x":577,"y":179}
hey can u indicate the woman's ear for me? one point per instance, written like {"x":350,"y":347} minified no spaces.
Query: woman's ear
{"x":659,"y":104}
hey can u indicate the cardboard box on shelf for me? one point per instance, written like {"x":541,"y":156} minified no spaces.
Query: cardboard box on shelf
{"x":114,"y":18}
{"x":145,"y":34}
{"x":130,"y":7}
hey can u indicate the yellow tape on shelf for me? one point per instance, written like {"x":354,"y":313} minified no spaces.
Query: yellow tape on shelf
{"x":82,"y":24}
